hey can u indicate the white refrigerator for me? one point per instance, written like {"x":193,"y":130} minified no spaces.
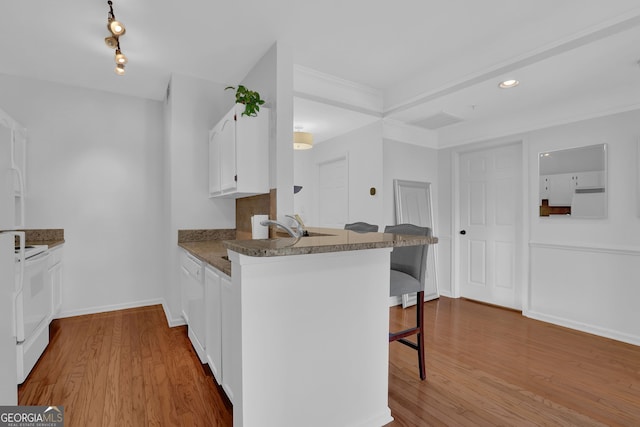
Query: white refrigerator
{"x":11,"y":216}
{"x":8,"y":354}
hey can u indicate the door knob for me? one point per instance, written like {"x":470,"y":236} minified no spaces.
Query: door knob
{"x":463,"y":232}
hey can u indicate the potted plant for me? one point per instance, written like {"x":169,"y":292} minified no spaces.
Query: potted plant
{"x":249,"y":98}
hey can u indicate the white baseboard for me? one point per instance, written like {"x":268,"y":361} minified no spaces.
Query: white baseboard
{"x":583,"y":327}
{"x":172,"y":321}
{"x":106,"y":308}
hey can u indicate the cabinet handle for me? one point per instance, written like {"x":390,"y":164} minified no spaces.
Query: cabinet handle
{"x":463,"y":232}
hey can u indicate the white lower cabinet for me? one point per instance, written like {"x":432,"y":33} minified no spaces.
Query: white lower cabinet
{"x":211,"y":308}
{"x":54,"y":273}
{"x":193,"y":304}
{"x":213,"y":328}
{"x":231,"y":345}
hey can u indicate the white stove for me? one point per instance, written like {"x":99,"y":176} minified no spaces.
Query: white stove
{"x":30,"y":251}
{"x":33,"y":310}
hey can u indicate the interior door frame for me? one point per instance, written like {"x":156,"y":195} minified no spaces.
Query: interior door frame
{"x":522,"y":228}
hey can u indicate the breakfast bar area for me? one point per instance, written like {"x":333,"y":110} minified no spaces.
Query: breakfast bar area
{"x":310,"y":322}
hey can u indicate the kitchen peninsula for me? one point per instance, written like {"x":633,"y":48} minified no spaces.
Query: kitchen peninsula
{"x":310,"y":318}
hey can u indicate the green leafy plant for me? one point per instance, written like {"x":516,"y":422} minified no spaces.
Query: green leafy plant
{"x":249,"y":98}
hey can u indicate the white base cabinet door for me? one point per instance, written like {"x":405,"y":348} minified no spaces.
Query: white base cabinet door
{"x":231,"y":345}
{"x":214,"y":321}
{"x":193,"y":307}
{"x":55,"y":280}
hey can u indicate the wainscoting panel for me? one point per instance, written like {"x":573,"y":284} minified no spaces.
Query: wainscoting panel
{"x":592,"y":289}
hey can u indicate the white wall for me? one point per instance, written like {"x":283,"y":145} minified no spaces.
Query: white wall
{"x":412,"y":163}
{"x":582,"y":272}
{"x":364,"y":150}
{"x":193,"y":108}
{"x":272,"y":77}
{"x":95,"y":165}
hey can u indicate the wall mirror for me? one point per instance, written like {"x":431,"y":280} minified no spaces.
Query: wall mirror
{"x":413,"y":206}
{"x":573,"y":182}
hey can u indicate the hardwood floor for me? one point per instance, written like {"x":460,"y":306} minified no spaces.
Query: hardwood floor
{"x":488,"y":366}
{"x":125,"y":368}
{"x":485,"y":366}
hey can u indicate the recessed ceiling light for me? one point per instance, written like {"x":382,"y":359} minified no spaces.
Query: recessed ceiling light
{"x":508,"y":84}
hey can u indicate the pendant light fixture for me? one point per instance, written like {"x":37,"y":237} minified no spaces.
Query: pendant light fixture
{"x":117,"y":29}
{"x":302,"y":140}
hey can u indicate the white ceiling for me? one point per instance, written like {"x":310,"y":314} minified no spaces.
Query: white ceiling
{"x":424,"y":57}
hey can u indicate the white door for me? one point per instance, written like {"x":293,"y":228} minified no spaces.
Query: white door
{"x":489,"y":214}
{"x":333,"y":197}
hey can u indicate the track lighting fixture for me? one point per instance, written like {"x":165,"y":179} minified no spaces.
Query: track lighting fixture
{"x":116,"y":28}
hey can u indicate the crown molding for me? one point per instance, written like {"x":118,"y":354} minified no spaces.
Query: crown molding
{"x":545,"y":124}
{"x":317,"y":86}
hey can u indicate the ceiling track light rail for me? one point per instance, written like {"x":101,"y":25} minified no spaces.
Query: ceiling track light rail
{"x":117,"y":29}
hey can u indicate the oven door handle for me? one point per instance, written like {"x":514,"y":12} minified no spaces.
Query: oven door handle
{"x":14,"y":318}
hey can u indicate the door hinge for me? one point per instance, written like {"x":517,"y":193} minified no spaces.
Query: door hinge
{"x":235,"y":117}
{"x":235,"y":178}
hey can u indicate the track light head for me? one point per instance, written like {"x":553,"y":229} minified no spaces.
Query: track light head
{"x":111,"y":42}
{"x":116,"y":27}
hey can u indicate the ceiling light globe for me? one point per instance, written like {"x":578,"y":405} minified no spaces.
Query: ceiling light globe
{"x":119,"y":69}
{"x":116,"y":28}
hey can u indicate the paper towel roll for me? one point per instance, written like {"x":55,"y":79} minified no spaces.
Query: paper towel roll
{"x":259,"y":231}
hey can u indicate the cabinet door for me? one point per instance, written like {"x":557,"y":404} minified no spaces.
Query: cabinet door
{"x":184,"y":287}
{"x":591,"y":179}
{"x":231,"y":346}
{"x":228,"y":153}
{"x":561,"y":189}
{"x":252,"y":152}
{"x":193,"y":270}
{"x":214,"y":322}
{"x":55,"y":280}
{"x":214,"y":161}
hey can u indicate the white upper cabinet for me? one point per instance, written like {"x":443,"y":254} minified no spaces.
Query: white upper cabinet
{"x":239,"y":155}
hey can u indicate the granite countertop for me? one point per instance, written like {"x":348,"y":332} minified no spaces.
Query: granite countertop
{"x":51,"y":237}
{"x":207,"y":246}
{"x":324,"y":240}
{"x":211,"y":245}
{"x":210,"y":251}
